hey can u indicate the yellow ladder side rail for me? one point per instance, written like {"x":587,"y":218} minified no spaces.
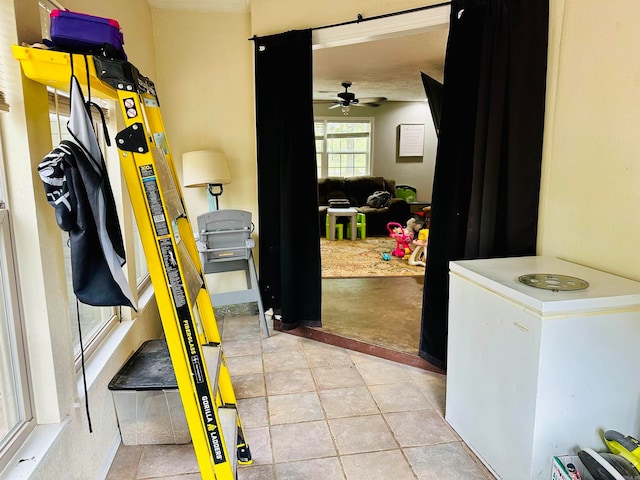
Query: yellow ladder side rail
{"x":179,"y":326}
{"x":226,"y":394}
{"x":156,"y":127}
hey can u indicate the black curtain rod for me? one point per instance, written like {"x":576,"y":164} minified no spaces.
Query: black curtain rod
{"x":361,"y":19}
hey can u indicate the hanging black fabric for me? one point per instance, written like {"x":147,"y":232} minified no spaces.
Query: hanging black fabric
{"x":290,"y":280}
{"x":487,"y":176}
{"x":77,"y":186}
{"x":433,"y":89}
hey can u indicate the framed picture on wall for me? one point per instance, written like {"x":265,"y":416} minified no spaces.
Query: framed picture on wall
{"x":411,"y":140}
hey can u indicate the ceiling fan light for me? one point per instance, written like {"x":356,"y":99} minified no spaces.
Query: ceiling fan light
{"x":345,"y":109}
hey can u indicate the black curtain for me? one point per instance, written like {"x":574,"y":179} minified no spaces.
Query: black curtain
{"x":290,"y":277}
{"x":487,"y":175}
{"x":433,"y":89}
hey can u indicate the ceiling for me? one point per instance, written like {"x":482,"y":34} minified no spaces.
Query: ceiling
{"x":201,"y":5}
{"x":382,"y":68}
{"x":388,"y":67}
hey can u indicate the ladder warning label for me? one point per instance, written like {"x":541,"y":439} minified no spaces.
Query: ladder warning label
{"x":194,"y":360}
{"x":173,"y":272}
{"x":154,"y":200}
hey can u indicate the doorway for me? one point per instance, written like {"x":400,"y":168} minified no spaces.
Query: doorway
{"x":382,"y":59}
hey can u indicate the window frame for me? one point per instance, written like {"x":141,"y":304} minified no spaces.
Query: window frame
{"x":15,"y":437}
{"x":14,"y":323}
{"x":322,"y":154}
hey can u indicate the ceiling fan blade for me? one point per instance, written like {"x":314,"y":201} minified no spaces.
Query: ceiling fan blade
{"x":335,"y":106}
{"x":373,"y":99}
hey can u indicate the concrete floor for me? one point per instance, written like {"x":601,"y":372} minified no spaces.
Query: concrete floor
{"x":383,"y":311}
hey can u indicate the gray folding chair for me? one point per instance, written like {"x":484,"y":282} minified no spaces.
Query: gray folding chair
{"x":226,"y":244}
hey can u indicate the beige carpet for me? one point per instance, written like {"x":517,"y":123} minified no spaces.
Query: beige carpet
{"x":363,"y":258}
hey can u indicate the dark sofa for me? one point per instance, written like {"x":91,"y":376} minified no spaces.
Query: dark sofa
{"x":357,"y":190}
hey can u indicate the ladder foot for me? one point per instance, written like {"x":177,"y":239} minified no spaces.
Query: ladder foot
{"x":244,"y":453}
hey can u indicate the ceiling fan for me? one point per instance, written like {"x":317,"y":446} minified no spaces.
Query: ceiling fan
{"x":348,"y":99}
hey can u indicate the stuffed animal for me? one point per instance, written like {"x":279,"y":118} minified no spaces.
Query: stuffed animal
{"x":412,"y":226}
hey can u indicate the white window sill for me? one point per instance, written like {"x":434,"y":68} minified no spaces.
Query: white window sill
{"x":34,"y":449}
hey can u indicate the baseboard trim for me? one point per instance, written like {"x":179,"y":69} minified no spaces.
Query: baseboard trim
{"x":358,"y":346}
{"x":115,"y":445}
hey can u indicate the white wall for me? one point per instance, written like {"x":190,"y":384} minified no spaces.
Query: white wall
{"x":414,"y":171}
{"x":205,"y":84}
{"x":591,"y":173}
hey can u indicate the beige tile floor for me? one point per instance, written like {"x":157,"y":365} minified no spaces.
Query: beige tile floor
{"x":313,"y":411}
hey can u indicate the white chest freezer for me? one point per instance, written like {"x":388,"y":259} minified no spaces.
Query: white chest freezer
{"x":533,"y":373}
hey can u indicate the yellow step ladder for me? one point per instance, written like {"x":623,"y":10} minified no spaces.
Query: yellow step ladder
{"x":175,"y":269}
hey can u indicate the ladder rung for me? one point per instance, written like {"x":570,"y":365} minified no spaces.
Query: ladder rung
{"x":225,"y":249}
{"x":229,"y":230}
{"x":213,"y":358}
{"x":234,"y":298}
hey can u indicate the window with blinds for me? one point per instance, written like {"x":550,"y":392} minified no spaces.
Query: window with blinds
{"x":343,"y":147}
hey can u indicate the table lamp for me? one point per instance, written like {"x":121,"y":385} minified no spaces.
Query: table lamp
{"x":206,"y":168}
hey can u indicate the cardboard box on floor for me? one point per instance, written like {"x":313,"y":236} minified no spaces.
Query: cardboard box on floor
{"x":559,"y":469}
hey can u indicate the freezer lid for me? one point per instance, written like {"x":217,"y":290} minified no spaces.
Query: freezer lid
{"x":500,"y":275}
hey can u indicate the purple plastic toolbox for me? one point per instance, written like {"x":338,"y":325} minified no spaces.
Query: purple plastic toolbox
{"x":79,"y":32}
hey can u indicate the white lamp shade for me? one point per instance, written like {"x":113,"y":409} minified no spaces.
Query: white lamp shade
{"x":205,"y":167}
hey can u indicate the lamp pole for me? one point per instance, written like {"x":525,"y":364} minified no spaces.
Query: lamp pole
{"x":214,"y":191}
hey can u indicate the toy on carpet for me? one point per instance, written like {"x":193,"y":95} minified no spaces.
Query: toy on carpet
{"x":386,"y":257}
{"x":419,"y":255}
{"x":415,"y":224}
{"x":403,"y":239}
{"x":419,"y":227}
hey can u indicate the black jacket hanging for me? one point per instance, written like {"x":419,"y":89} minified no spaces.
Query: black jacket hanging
{"x":77,"y":186}
{"x":74,"y":190}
